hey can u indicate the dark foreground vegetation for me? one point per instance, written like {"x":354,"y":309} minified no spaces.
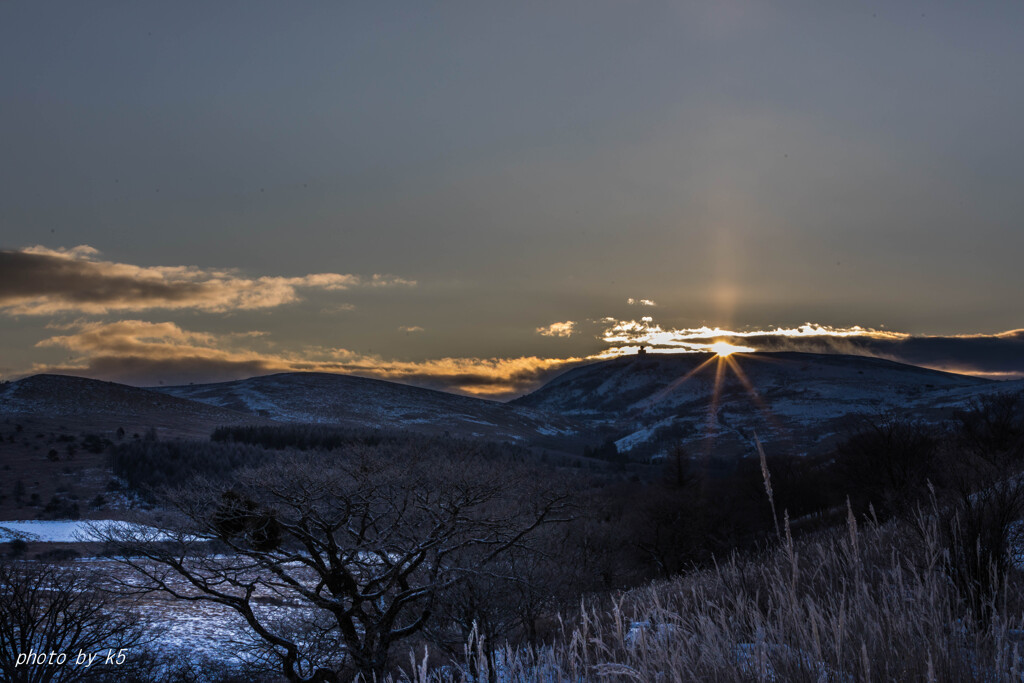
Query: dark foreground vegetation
{"x":430,"y":558}
{"x":48,"y":610}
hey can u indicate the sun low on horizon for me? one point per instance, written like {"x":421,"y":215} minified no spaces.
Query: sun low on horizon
{"x":386,"y":341}
{"x":470,"y":200}
{"x":724,"y":349}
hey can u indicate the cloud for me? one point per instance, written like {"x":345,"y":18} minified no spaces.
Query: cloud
{"x":338,"y":308}
{"x":642,"y":302}
{"x":487,"y":377}
{"x":563,"y":329}
{"x":647,"y":332}
{"x":409,"y":329}
{"x":42,"y":281}
{"x":145,"y":353}
{"x":988,"y":355}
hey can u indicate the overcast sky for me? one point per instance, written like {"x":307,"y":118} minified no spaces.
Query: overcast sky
{"x":468,"y":195}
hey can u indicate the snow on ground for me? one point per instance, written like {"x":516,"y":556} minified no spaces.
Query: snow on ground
{"x":627,"y":442}
{"x":57,"y":530}
{"x":759,"y":660}
{"x":318,"y":398}
{"x":194,"y":630}
{"x":551,"y":431}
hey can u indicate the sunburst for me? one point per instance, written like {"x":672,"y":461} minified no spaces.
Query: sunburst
{"x":726,"y":359}
{"x":724,"y":349}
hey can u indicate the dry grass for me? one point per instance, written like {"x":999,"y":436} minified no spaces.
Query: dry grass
{"x":853,"y":605}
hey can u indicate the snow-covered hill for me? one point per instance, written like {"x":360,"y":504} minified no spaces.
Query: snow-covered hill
{"x":99,"y":405}
{"x":361,"y":402}
{"x":797,"y":401}
{"x":794,"y":402}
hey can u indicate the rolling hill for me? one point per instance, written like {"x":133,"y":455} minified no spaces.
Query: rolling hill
{"x":795,"y":401}
{"x":350,"y":401}
{"x":104,"y":406}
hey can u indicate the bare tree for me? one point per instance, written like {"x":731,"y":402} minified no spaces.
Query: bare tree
{"x":50,"y":616}
{"x":362,"y":544}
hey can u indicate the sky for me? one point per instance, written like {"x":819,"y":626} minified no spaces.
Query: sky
{"x":474,"y":196}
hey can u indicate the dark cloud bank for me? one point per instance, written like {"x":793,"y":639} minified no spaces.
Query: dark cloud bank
{"x":997,"y":355}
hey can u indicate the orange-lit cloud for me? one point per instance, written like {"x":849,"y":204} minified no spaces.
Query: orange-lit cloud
{"x":562,"y":329}
{"x":140,"y":352}
{"x":145,"y":353}
{"x":42,"y":281}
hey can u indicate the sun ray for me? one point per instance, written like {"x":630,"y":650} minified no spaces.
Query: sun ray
{"x":755,"y":395}
{"x":716,"y":393}
{"x":745,"y":381}
{"x":711,"y":427}
{"x":659,"y":395}
{"x":726,"y":358}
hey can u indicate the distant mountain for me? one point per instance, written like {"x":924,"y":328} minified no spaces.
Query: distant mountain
{"x":796,"y":402}
{"x":361,"y":402}
{"x":96,"y":405}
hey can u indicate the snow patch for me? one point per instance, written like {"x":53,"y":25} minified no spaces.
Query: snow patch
{"x":60,"y":530}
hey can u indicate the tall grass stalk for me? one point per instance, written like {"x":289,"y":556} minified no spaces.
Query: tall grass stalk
{"x":846,"y":605}
{"x":766,"y":475}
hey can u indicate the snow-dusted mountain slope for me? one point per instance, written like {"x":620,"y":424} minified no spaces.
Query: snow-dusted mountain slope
{"x":361,"y":402}
{"x":797,"y":400}
{"x":106,"y":405}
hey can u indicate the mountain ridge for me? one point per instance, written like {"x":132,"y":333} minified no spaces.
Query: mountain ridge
{"x":802,"y":401}
{"x":645,"y":403}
